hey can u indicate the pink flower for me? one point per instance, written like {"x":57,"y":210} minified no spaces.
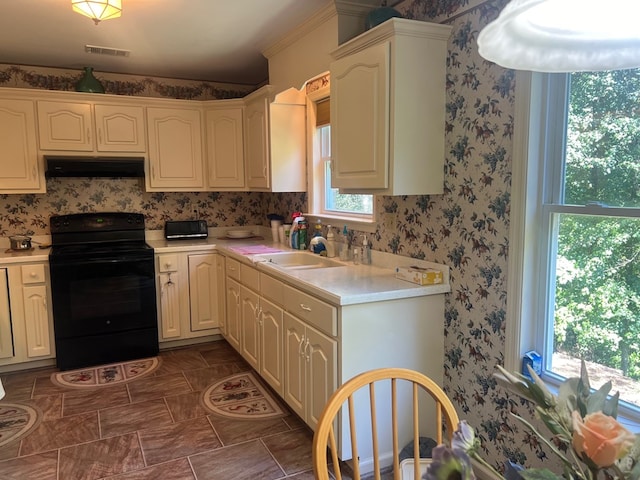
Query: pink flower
{"x":600,"y":438}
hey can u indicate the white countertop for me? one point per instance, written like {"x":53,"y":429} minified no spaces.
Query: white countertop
{"x":36,"y":254}
{"x":345,"y":285}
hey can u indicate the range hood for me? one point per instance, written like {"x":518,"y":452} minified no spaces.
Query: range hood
{"x":69,"y":166}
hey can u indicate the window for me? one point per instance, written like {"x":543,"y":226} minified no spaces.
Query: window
{"x":580,"y":224}
{"x":324,"y":201}
{"x":333,"y":202}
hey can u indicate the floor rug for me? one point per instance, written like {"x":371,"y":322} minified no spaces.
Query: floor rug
{"x":240,"y":396}
{"x":105,"y":375}
{"x":16,"y":421}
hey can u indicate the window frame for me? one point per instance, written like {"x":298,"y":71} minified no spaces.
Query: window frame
{"x":539,"y":130}
{"x":316,"y":173}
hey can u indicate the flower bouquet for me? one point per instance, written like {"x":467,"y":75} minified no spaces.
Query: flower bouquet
{"x":583,"y":433}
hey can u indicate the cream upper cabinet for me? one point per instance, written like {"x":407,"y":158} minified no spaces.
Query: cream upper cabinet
{"x":89,"y":127}
{"x":120,"y":128}
{"x":20,"y":169}
{"x":225,"y":144}
{"x":175,"y":149}
{"x":275,"y":151}
{"x":388,"y":110}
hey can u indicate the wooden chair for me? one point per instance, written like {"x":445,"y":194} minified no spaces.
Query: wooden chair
{"x":391,"y":379}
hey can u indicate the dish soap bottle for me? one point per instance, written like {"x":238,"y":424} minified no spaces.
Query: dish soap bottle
{"x":303,"y":241}
{"x":344,"y":246}
{"x":331,"y":243}
{"x":366,"y":252}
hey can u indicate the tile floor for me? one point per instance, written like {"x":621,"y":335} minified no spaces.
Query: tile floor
{"x":152,"y":428}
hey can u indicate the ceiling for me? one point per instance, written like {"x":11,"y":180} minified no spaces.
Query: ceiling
{"x":214,"y":40}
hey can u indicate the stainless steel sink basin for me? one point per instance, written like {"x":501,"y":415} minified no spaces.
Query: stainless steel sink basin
{"x":297,"y":260}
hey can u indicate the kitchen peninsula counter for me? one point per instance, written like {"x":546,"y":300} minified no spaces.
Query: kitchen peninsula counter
{"x":344,"y":285}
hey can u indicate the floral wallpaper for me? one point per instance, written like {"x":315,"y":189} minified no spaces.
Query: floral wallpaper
{"x":20,"y":76}
{"x":30,"y":213}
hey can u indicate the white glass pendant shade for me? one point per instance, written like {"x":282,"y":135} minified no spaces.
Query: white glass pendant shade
{"x":98,"y":10}
{"x":564,"y":35}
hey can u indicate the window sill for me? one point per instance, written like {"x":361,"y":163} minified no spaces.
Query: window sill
{"x":351,"y":223}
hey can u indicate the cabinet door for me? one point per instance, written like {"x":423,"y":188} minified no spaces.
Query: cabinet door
{"x":65,"y":126}
{"x":257,"y":143}
{"x":271,"y":348}
{"x":222,"y":288}
{"x":321,"y":354}
{"x":249,"y":318}
{"x":225,"y":149}
{"x":233,"y":312}
{"x":175,"y":149}
{"x":120,"y":128}
{"x":203,"y":291}
{"x":19,"y":168}
{"x":169,"y":305}
{"x":36,"y":316}
{"x":360,"y":119}
{"x":6,"y":335}
{"x":294,"y":364}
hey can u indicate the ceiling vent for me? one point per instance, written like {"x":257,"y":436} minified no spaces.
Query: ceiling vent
{"x":115,"y":52}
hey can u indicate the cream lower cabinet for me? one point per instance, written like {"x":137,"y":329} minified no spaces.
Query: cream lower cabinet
{"x":6,"y":334}
{"x":232,"y":296}
{"x":20,"y":169}
{"x":188,"y":295}
{"x":322,"y":345}
{"x":310,"y":368}
{"x":31,"y":318}
{"x":261,"y":325}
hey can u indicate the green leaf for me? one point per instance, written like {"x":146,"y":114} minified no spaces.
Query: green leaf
{"x":611,"y":405}
{"x":539,"y":474}
{"x":597,"y":400}
{"x":555,"y":426}
{"x":545,"y":398}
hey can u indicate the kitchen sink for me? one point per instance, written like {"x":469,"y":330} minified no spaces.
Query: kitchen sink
{"x":297,"y":260}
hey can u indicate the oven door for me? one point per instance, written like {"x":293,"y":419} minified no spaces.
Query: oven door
{"x":102,"y":295}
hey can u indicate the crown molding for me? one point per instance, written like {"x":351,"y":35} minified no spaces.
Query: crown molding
{"x":322,"y":16}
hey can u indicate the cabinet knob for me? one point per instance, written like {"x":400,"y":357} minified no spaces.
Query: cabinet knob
{"x":33,"y":275}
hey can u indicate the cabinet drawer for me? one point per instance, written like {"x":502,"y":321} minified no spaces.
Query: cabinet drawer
{"x":168,"y":263}
{"x":33,"y":274}
{"x":233,"y":268}
{"x":272,"y":289}
{"x":250,"y":277}
{"x":311,"y":310}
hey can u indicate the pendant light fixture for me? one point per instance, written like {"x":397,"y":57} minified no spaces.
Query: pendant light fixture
{"x":564,"y":35}
{"x":98,"y":10}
